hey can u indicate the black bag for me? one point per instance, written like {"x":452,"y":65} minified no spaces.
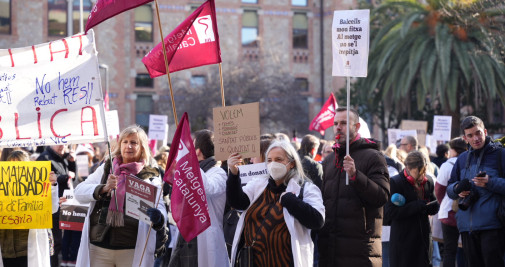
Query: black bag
{"x":229,"y":226}
{"x":97,"y":225}
{"x":245,"y":257}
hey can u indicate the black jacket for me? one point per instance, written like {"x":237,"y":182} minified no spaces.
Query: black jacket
{"x":410,"y":237}
{"x":60,"y":166}
{"x":313,"y":170}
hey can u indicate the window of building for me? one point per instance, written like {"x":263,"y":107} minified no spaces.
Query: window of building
{"x":144,"y":23}
{"x":144,"y":106}
{"x":5,"y":16}
{"x":299,"y":2}
{"x":57,"y":17}
{"x":250,"y":1}
{"x":86,"y":8}
{"x":302,"y":84}
{"x":197,"y":81}
{"x":144,"y":80}
{"x":249,"y":28}
{"x":300,"y":30}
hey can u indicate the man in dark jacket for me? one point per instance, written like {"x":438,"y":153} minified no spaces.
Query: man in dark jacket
{"x":63,"y":165}
{"x":351,"y":235}
{"x":477,"y":178}
{"x":313,"y":169}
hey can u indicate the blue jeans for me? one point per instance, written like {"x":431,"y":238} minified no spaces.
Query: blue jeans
{"x":385,"y":254}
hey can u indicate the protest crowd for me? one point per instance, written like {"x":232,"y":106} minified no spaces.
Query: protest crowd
{"x":127,"y":199}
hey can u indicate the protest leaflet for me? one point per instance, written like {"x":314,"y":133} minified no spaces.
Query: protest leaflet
{"x":140,"y":196}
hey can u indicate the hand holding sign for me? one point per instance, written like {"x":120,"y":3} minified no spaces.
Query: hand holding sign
{"x":234,"y":160}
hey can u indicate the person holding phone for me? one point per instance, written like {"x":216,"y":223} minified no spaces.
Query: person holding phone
{"x":477,"y":179}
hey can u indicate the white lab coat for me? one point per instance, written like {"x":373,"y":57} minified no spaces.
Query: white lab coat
{"x":38,"y":240}
{"x":211,"y":244}
{"x":301,"y":242}
{"x":84,"y":194}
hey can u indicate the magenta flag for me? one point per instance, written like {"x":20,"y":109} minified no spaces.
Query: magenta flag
{"x":324,"y":119}
{"x":188,"y":201}
{"x":105,"y":9}
{"x":194,"y":43}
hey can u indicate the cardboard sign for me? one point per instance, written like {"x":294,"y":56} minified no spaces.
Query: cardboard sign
{"x":112,"y":122}
{"x":350,"y":42}
{"x":253,"y":171}
{"x":72,"y":213}
{"x":25,"y":195}
{"x":140,"y":196}
{"x":157,"y":127}
{"x":50,"y":94}
{"x":421,"y":128}
{"x":442,"y":128}
{"x":237,"y":129}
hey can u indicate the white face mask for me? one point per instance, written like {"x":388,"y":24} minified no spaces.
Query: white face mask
{"x":277,"y":170}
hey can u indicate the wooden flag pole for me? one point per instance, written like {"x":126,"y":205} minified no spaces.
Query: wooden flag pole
{"x":222,"y":86}
{"x":166,"y":64}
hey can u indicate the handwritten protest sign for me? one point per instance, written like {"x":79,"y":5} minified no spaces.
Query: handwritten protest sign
{"x":350,"y":41}
{"x":237,"y":129}
{"x":442,"y":128}
{"x":252,"y":171}
{"x":25,"y":195}
{"x":140,"y":196}
{"x":157,"y":127}
{"x":49,"y":94}
{"x":421,"y":128}
{"x":72,"y":213}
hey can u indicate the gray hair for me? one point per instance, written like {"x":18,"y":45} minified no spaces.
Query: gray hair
{"x":145,"y":154}
{"x":292,"y":156}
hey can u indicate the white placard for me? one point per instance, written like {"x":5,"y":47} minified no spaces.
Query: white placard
{"x":68,"y":194}
{"x":431,"y":143}
{"x":393,"y":136}
{"x":50,"y":94}
{"x":252,"y":171}
{"x":442,"y":128}
{"x":112,"y":121}
{"x":157,"y":127}
{"x":82,"y":163}
{"x":350,"y":42}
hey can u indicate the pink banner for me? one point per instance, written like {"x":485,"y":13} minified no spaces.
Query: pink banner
{"x":188,"y":200}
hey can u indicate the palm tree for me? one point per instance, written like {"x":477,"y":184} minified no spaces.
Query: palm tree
{"x":446,"y":51}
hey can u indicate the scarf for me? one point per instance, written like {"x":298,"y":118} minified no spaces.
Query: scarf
{"x":208,"y":163}
{"x":115,"y":218}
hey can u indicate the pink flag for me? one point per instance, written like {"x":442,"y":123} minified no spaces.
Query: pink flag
{"x":188,"y":201}
{"x":105,"y":9}
{"x":194,"y":43}
{"x":324,"y":119}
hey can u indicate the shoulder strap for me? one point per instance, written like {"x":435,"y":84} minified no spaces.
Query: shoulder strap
{"x":300,"y":196}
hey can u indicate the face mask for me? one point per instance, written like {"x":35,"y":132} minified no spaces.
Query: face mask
{"x":277,"y":170}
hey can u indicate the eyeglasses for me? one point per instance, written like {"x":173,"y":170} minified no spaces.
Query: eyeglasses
{"x":403,"y":144}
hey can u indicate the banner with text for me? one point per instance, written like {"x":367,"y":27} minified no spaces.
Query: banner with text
{"x":140,"y":196}
{"x":237,"y":129}
{"x":72,"y":212}
{"x":350,"y":42}
{"x":25,"y":195}
{"x":50,"y":94}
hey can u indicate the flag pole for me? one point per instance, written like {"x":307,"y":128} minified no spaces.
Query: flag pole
{"x":222,"y":86}
{"x":166,"y":65}
{"x":348,"y":124}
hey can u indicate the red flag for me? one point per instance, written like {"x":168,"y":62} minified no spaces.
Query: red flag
{"x":324,"y":119}
{"x":105,"y":9}
{"x":194,"y":43}
{"x":188,"y":201}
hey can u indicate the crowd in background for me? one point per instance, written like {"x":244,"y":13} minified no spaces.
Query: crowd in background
{"x":418,"y":225}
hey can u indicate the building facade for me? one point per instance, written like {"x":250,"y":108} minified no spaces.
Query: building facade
{"x":295,"y":34}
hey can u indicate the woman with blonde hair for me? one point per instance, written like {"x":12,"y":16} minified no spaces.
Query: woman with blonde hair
{"x":109,"y":237}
